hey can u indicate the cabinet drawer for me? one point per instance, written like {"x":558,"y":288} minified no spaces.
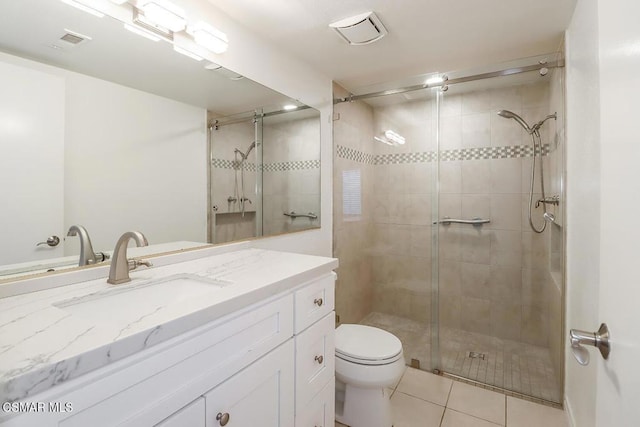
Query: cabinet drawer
{"x":191,"y":415}
{"x":315,"y":359}
{"x":261,"y":395}
{"x":320,"y":412}
{"x":314,"y":301}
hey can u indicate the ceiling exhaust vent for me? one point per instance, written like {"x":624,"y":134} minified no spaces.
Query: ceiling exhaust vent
{"x":71,"y":38}
{"x":360,"y":29}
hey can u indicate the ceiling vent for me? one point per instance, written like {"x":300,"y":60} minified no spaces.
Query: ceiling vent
{"x":360,"y":29}
{"x":73,"y":38}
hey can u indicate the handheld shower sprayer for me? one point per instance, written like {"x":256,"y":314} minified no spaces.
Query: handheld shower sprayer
{"x":537,"y":150}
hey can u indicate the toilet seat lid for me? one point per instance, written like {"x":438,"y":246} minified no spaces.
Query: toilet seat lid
{"x":366,"y":343}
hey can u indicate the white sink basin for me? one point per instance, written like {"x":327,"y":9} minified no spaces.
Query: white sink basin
{"x":139,"y":300}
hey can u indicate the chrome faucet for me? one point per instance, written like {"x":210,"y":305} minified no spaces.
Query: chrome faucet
{"x":120,"y":265}
{"x":87,"y":256}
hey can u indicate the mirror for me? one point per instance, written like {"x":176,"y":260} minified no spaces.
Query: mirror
{"x":103,"y":128}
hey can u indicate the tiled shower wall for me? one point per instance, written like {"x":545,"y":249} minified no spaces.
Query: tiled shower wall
{"x":353,"y":230}
{"x":230,"y":224}
{"x":494,"y":279}
{"x":291,"y":178}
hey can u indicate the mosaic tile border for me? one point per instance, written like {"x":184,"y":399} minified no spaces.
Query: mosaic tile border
{"x":267,"y":167}
{"x":355,"y":155}
{"x":476,"y":153}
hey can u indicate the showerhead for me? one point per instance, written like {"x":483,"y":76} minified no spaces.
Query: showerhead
{"x":246,"y":154}
{"x":511,"y":115}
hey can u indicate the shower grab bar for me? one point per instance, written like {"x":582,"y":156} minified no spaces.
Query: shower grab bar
{"x":294,"y":215}
{"x":475,"y":221}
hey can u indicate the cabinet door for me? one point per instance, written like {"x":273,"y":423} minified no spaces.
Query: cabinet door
{"x":315,"y":359}
{"x":260,"y":395}
{"x":191,"y":415}
{"x":320,"y":412}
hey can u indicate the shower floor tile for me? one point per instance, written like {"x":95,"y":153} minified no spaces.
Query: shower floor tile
{"x":512,"y":365}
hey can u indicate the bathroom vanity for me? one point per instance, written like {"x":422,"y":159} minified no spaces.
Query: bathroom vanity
{"x":244,"y":338}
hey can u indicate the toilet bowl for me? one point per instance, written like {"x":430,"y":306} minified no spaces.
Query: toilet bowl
{"x":368,"y":360}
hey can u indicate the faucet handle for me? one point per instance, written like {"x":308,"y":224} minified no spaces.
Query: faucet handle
{"x":135,"y":263}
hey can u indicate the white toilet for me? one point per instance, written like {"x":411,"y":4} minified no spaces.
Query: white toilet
{"x":367,"y":361}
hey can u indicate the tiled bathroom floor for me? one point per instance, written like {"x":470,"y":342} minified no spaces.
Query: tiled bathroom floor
{"x":507,"y":364}
{"x":422,"y":399}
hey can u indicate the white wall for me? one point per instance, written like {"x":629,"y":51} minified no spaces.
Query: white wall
{"x":125,"y":153}
{"x":583,"y":199}
{"x":133,"y":161}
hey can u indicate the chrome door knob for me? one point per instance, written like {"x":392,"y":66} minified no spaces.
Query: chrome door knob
{"x":51,"y":241}
{"x":223,"y":419}
{"x":598,"y":339}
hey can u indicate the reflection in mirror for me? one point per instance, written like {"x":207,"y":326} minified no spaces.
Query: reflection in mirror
{"x":111,"y":134}
{"x":265,"y":173}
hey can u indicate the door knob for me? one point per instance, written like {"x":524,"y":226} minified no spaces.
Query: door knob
{"x":598,"y":339}
{"x":51,"y":241}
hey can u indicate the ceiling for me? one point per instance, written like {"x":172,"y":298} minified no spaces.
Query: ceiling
{"x":424,"y":35}
{"x":120,"y":56}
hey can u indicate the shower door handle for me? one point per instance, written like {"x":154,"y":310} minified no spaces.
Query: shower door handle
{"x":598,"y":339}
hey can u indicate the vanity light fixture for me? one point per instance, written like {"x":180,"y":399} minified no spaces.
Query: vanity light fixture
{"x":84,"y":8}
{"x":165,"y":14}
{"x":185,"y":52}
{"x":148,"y":26}
{"x":141,"y":32}
{"x":390,"y":138}
{"x":290,"y":107}
{"x":209,"y":37}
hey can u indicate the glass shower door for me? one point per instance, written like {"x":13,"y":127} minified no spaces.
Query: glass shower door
{"x":497,"y":308}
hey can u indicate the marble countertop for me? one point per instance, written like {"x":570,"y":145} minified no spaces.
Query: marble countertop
{"x":58,"y":334}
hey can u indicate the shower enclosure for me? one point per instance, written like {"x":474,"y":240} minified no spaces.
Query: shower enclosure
{"x":432,"y":229}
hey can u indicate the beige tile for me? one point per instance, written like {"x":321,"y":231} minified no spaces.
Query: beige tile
{"x":451,"y":106}
{"x":475,"y":245}
{"x":476,"y":206}
{"x":474,"y":279}
{"x":476,"y":130}
{"x":476,"y":102}
{"x":521,"y":413}
{"x":425,"y":386}
{"x":409,"y":411}
{"x":450,"y":177}
{"x":506,"y":320}
{"x":506,"y":284}
{"x":475,"y":315}
{"x":476,"y":176}
{"x":450,"y":133}
{"x":458,"y":419}
{"x":506,"y":211}
{"x":478,"y":402}
{"x":506,"y":175}
{"x":450,"y":311}
{"x":506,"y":248}
{"x":535,"y":325}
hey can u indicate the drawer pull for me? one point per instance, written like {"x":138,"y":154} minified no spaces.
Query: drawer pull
{"x":223,"y":418}
{"x":319,"y":359}
{"x":318,"y":302}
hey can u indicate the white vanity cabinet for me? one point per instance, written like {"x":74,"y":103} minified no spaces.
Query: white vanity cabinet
{"x":267,"y":365}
